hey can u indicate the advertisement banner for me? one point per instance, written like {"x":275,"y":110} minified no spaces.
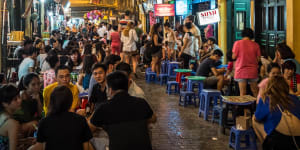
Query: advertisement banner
{"x":208,"y":17}
{"x":164,"y":10}
{"x":181,"y":7}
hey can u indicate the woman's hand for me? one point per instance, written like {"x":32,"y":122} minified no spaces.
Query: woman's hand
{"x":180,"y":53}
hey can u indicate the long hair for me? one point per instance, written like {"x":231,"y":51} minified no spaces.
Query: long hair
{"x":129,"y":26}
{"x":154,"y":29}
{"x":88,"y":62}
{"x":60,"y":100}
{"x":278,"y":92}
{"x":7,"y":93}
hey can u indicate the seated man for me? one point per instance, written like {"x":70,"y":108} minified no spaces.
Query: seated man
{"x":134,"y":89}
{"x":63,"y":78}
{"x":124,"y":117}
{"x":209,"y":66}
{"x":98,"y":95}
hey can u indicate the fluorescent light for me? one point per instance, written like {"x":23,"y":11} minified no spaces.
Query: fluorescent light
{"x":50,"y":13}
{"x":43,"y":1}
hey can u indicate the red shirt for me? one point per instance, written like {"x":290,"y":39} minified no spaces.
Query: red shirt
{"x":115,"y":38}
{"x":297,"y":81}
{"x":246,"y":65}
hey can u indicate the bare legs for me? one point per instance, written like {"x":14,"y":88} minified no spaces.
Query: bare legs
{"x":243,"y":88}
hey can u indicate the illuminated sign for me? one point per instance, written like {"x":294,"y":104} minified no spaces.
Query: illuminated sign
{"x":208,"y":17}
{"x":181,"y":7}
{"x":164,"y":10}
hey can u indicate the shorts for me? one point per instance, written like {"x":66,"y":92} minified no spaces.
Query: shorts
{"x":133,"y":53}
{"x":246,"y":80}
{"x":171,"y":45}
{"x":211,"y":82}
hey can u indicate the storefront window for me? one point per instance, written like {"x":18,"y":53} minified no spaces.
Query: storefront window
{"x":271,"y":18}
{"x":240,"y":20}
{"x":281,"y":18}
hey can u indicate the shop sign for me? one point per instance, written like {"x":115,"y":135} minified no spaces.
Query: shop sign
{"x":181,"y":7}
{"x":164,"y":10}
{"x":152,"y":18}
{"x":208,"y":17}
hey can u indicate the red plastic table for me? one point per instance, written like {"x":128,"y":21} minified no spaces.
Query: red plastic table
{"x":180,"y":73}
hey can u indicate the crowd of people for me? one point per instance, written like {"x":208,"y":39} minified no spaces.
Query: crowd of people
{"x":103,"y":60}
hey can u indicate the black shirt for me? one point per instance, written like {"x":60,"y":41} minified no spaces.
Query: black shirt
{"x":205,"y":67}
{"x":124,"y":118}
{"x":98,"y":96}
{"x":65,"y":131}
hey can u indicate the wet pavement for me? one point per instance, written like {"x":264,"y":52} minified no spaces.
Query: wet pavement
{"x":180,"y":127}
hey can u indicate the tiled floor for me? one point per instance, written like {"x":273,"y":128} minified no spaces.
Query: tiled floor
{"x":180,"y":127}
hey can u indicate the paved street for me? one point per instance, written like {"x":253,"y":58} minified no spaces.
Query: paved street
{"x":179,"y":127}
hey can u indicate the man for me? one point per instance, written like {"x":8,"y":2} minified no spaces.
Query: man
{"x":209,"y":66}
{"x":195,"y":31}
{"x":27,"y":65}
{"x":211,"y":41}
{"x":63,"y":78}
{"x":124,"y":117}
{"x":211,"y":46}
{"x":20,"y":51}
{"x":134,"y":89}
{"x":98,"y":95}
{"x":110,"y":62}
{"x":123,"y":22}
{"x":102,"y":29}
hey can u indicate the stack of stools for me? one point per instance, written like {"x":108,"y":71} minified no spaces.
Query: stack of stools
{"x":235,"y":139}
{"x":170,"y":85}
{"x":150,"y":76}
{"x":205,"y":99}
{"x":171,"y":67}
{"x":163,"y":76}
{"x":188,"y":97}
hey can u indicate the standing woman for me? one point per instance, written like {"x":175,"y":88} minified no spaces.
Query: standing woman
{"x":129,"y":39}
{"x":247,"y":54}
{"x":170,"y":40}
{"x":188,"y":50}
{"x":115,"y":41}
{"x":157,"y":44}
{"x":10,"y":101}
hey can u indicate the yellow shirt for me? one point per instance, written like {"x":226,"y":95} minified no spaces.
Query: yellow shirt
{"x":48,"y":90}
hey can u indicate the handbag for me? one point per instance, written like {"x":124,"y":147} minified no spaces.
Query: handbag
{"x":287,"y":124}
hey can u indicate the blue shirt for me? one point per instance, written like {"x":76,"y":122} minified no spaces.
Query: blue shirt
{"x":24,"y":67}
{"x":272,"y":119}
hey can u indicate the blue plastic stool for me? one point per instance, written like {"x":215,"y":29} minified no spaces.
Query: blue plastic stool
{"x":235,"y":140}
{"x":171,"y":67}
{"x":205,"y":99}
{"x":151,"y":77}
{"x":163,"y":79}
{"x":164,"y":67}
{"x":188,"y":96}
{"x":148,"y":70}
{"x":191,"y":84}
{"x":169,"y":87}
{"x":218,"y":109}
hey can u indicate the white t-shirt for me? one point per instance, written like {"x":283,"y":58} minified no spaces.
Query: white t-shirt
{"x":101,"y":31}
{"x":190,"y":47}
{"x":41,"y":58}
{"x":24,"y":67}
{"x":129,"y":44}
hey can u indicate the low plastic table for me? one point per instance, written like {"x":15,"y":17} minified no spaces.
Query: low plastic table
{"x":180,"y":73}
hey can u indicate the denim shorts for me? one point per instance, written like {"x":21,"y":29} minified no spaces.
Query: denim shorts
{"x":246,"y":80}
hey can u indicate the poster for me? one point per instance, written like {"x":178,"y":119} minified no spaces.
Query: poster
{"x":208,"y":17}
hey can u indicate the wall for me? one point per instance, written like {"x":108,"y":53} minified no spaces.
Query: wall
{"x":292,"y":26}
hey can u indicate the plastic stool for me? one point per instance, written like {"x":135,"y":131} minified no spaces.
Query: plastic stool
{"x":205,"y":98}
{"x":187,"y":97}
{"x":219,"y":109}
{"x":191,"y":84}
{"x":164,"y":67}
{"x":163,"y":79}
{"x":171,"y":67}
{"x":151,"y":77}
{"x":235,"y":140}
{"x":169,"y":87}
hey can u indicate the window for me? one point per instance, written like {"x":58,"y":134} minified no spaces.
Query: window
{"x":240,"y":20}
{"x":271,"y":18}
{"x":280,"y":18}
{"x":263,"y":18}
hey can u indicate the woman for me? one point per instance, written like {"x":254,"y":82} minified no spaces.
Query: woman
{"x":75,"y":62}
{"x":157,"y":44}
{"x":100,"y":53}
{"x":284,"y":53}
{"x":273,"y":127}
{"x":293,"y":79}
{"x":188,"y":50}
{"x":62,"y":129}
{"x":115,"y":41}
{"x":247,"y":53}
{"x":129,"y":39}
{"x":31,"y":106}
{"x":86,"y":72}
{"x":170,"y":39}
{"x":10,"y":101}
{"x":273,"y":70}
{"x":49,"y":75}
